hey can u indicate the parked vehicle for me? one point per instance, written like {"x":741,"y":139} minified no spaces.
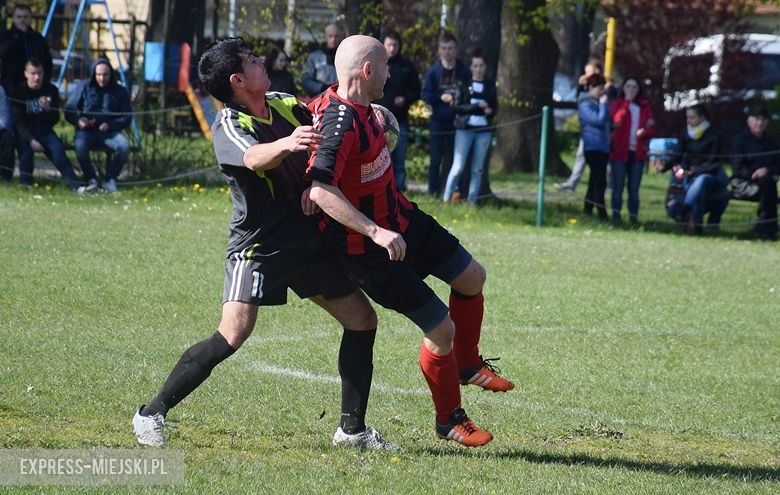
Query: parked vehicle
{"x":720,"y":69}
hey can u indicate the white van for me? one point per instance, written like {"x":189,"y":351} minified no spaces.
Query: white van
{"x":721,"y":68}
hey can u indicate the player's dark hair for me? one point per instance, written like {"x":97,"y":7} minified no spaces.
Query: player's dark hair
{"x":219,"y":61}
{"x":447,"y":37}
{"x":22,"y":6}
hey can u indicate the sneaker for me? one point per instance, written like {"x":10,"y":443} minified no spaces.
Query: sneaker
{"x":366,"y":439}
{"x":486,"y":377}
{"x":91,"y":187}
{"x":110,"y":186}
{"x":562,"y":186}
{"x":149,"y":429}
{"x":463,"y":430}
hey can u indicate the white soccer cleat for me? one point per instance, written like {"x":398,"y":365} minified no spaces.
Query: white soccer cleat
{"x":366,"y":439}
{"x":149,"y":429}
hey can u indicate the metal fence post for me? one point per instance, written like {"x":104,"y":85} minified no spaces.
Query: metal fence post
{"x":542,"y":164}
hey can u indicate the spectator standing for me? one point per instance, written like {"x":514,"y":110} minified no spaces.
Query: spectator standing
{"x":756,"y":165}
{"x":474,"y":116}
{"x":100,"y":109}
{"x":19,"y":44}
{"x":276,"y":62}
{"x":699,"y":167}
{"x":633,"y":125}
{"x":6,"y":138}
{"x":441,"y":86}
{"x":592,"y":67}
{"x":401,"y":90}
{"x":320,"y":70}
{"x":36,"y":109}
{"x":593,"y":112}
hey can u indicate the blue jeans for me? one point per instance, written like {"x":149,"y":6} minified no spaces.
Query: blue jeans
{"x":87,"y":140}
{"x":620,"y":169}
{"x":479,"y":144}
{"x":54,"y":151}
{"x":440,"y":151}
{"x":399,"y":157}
{"x":707,"y":191}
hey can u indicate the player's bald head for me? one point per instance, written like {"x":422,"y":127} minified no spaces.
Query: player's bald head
{"x":353,"y":52}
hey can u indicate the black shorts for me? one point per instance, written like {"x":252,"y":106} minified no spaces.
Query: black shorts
{"x":399,"y":285}
{"x":261,"y":276}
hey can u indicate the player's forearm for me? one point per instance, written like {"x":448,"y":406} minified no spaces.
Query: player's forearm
{"x":265,"y":156}
{"x":333,"y":202}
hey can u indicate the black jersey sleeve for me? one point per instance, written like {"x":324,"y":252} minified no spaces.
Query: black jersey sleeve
{"x":337,"y":127}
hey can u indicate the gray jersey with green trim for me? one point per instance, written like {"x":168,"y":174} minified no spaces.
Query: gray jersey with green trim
{"x":266,"y":205}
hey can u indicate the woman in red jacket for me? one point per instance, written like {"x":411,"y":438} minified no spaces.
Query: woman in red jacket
{"x":633,"y":126}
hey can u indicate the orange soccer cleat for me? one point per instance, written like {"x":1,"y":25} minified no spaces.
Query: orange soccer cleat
{"x":463,"y":430}
{"x":486,"y":377}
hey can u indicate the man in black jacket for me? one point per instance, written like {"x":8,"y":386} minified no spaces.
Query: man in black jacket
{"x":756,"y":165}
{"x":401,"y":90}
{"x":36,"y":109}
{"x":18,"y":45}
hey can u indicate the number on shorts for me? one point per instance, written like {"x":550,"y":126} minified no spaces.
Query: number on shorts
{"x":257,"y":284}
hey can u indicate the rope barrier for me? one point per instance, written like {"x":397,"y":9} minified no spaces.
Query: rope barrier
{"x":134,"y":112}
{"x":490,"y":127}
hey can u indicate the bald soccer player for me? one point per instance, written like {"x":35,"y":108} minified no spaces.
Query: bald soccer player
{"x":390,"y":246}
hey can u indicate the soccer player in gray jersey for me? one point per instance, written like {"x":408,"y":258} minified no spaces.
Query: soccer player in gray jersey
{"x":261,"y":141}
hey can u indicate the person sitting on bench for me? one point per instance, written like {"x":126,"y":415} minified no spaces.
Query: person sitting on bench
{"x":36,"y":109}
{"x":755,"y":167}
{"x":100,"y":108}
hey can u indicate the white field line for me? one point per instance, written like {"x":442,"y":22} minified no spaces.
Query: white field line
{"x":315,"y":377}
{"x":515,"y":402}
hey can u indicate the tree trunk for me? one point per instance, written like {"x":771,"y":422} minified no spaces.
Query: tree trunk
{"x":571,"y":29}
{"x":529,"y":56}
{"x":479,"y":26}
{"x":362,"y":17}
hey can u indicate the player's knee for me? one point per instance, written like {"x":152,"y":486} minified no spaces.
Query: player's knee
{"x":354,"y":312}
{"x":235,"y":335}
{"x":472,"y":280}
{"x":442,"y":337}
{"x":238,"y":321}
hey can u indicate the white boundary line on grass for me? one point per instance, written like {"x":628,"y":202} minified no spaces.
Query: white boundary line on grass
{"x":315,"y":377}
{"x":517,"y":403}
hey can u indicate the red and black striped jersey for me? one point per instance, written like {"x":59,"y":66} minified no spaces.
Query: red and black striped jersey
{"x":353,"y":157}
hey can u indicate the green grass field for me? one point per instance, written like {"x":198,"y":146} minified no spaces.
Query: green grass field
{"x":647,"y":361}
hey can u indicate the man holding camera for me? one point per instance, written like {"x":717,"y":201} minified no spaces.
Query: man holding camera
{"x":441,"y":86}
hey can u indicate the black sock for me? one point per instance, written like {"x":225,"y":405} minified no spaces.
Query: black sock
{"x":193,"y":368}
{"x":356,"y":367}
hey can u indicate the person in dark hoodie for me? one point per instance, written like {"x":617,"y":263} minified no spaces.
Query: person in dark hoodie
{"x":401,"y":90}
{"x":100,"y":108}
{"x":441,"y":88}
{"x":36,"y":109}
{"x":18,"y":45}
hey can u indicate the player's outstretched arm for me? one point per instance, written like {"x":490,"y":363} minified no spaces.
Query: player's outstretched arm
{"x":335,"y":204}
{"x":265,"y":156}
